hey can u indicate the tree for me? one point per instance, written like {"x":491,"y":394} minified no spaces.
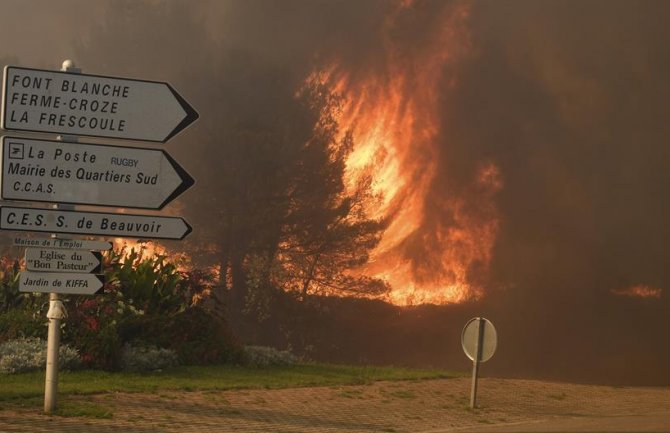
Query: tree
{"x":269,"y":205}
{"x":326,"y":231}
{"x":287,"y":220}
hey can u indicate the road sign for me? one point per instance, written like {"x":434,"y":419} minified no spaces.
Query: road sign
{"x":92,"y":223}
{"x":81,"y":104}
{"x":479,"y":340}
{"x":75,"y":173}
{"x":470,"y":339}
{"x":62,"y":243}
{"x":49,"y":259}
{"x":53,"y":282}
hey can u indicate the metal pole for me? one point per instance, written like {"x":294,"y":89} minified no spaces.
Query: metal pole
{"x":475,"y":363}
{"x":53,"y":343}
{"x":56,"y":309}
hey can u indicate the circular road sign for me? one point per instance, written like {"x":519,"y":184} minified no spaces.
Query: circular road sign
{"x":470,"y":339}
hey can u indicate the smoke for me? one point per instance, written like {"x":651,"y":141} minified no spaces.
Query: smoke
{"x":567,"y":99}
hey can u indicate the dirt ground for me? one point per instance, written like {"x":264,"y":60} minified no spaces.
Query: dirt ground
{"x":432,"y":406}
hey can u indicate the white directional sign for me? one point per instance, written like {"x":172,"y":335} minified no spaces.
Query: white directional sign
{"x":72,"y":244}
{"x":51,"y":282}
{"x":93,"y":105}
{"x":92,"y":223}
{"x":49,"y":259}
{"x":75,"y":173}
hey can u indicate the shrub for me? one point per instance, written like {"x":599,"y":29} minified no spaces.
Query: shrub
{"x":28,"y":354}
{"x":147,"y":358}
{"x":22,"y":323}
{"x":262,"y":356}
{"x":201,"y":338}
{"x":10,"y":297}
{"x":196,"y":336}
{"x":148,"y":300}
{"x":92,"y":327}
{"x":154,"y":283}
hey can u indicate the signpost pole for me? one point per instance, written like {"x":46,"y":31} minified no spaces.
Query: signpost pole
{"x":56,"y":310}
{"x":55,"y":314}
{"x":475,"y":363}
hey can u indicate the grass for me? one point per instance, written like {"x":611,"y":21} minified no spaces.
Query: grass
{"x":23,"y":388}
{"x":402,"y":394}
{"x":351,"y":393}
{"x":82,"y":409}
{"x":560,"y":396}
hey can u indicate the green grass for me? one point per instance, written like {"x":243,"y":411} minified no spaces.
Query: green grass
{"x":21,"y":388}
{"x":402,"y":394}
{"x":82,"y":409}
{"x":351,"y":393}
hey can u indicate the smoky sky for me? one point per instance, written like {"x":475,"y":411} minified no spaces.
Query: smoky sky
{"x":568,"y":98}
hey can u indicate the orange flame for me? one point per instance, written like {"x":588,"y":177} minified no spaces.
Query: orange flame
{"x":143,"y":248}
{"x":393,"y":114}
{"x":639,"y":291}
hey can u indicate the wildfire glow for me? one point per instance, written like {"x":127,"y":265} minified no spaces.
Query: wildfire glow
{"x":143,"y":248}
{"x":639,"y":291}
{"x":393,"y":112}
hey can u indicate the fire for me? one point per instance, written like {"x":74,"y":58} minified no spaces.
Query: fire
{"x":144,"y":248}
{"x":639,"y":291}
{"x":435,"y":249}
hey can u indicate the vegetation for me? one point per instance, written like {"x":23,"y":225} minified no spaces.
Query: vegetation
{"x":260,"y":356}
{"x":29,"y":354}
{"x":147,"y":358}
{"x":148,"y":301}
{"x":14,"y":388}
{"x":279,"y":217}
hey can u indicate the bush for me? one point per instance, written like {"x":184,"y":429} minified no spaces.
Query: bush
{"x":199,"y":337}
{"x":148,"y":300}
{"x":10,"y":297}
{"x":147,"y":358}
{"x":28,"y":354}
{"x":22,"y":323}
{"x":196,"y":336}
{"x":92,"y":327}
{"x":262,"y":356}
{"x":154,"y":283}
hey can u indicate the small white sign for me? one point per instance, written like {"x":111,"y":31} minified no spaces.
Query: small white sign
{"x":50,"y":259}
{"x":57,"y":102}
{"x":479,"y":339}
{"x":92,"y":223}
{"x":75,"y":173}
{"x":51,"y":282}
{"x":72,"y":244}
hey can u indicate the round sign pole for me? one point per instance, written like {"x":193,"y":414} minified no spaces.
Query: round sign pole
{"x":475,"y":362}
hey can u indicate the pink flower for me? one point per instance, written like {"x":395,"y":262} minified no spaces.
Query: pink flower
{"x":92,"y":323}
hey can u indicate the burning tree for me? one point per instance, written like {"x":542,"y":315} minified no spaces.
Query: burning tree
{"x":331,"y":184}
{"x":270,"y":161}
{"x":326,"y":230}
{"x":287,"y":219}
